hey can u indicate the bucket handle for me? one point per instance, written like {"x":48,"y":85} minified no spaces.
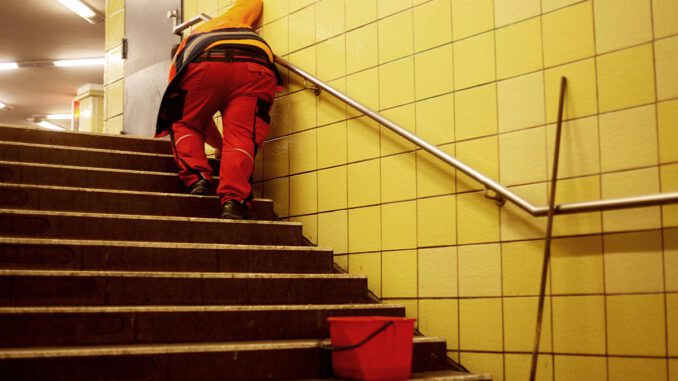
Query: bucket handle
{"x":333,"y":348}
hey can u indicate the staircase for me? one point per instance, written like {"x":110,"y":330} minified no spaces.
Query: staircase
{"x":109,"y":272}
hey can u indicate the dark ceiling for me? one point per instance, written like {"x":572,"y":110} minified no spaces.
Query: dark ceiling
{"x":45,"y":30}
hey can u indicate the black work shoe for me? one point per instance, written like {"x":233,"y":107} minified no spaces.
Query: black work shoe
{"x":200,"y":187}
{"x":234,"y":210}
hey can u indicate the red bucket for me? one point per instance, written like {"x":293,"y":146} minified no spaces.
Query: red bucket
{"x":387,"y":355}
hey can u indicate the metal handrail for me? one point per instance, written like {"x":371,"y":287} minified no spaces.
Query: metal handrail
{"x":502,"y":193}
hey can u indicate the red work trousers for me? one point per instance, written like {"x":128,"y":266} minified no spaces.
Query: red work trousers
{"x":233,"y":88}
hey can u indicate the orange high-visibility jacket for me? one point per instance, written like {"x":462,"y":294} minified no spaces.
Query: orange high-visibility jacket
{"x":233,"y":28}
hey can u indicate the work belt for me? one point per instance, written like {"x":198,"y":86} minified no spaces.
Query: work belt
{"x":231,"y":54}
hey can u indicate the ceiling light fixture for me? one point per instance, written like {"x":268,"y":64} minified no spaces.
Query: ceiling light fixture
{"x":82,"y":62}
{"x":59,"y":116}
{"x":8,"y":65}
{"x":50,"y":126}
{"x":82,"y":9}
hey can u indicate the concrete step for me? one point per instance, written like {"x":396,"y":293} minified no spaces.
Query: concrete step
{"x":71,"y":326}
{"x":83,"y":139}
{"x":119,"y":288}
{"x":70,"y":199}
{"x":89,"y":157}
{"x":440,"y":375}
{"x":249,"y":361}
{"x":118,"y":227}
{"x":54,"y":254}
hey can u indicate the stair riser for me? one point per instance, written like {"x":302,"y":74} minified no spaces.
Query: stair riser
{"x":115,"y":229}
{"x":35,"y":136}
{"x":237,"y":366}
{"x":137,"y":291}
{"x":30,"y":330}
{"x":66,"y":156}
{"x":113,"y":258}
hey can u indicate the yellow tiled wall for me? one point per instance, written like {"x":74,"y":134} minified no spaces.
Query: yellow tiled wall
{"x":113,"y":72}
{"x":479,"y":78}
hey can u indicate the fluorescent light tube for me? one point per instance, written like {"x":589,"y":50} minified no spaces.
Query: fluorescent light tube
{"x":50,"y":126}
{"x":83,"y":62}
{"x":8,"y":65}
{"x":59,"y":117}
{"x":79,"y":7}
{"x":2,"y":105}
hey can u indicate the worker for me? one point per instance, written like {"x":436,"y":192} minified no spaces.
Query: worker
{"x":223,"y":65}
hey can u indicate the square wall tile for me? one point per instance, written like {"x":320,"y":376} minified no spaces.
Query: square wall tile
{"x":114,"y":98}
{"x":671,"y":259}
{"x":479,"y":270}
{"x":333,"y":231}
{"x":303,"y":112}
{"x":485,"y":363}
{"x":330,"y":19}
{"x":622,"y":23}
{"x":304,"y":194}
{"x":389,"y":7}
{"x":440,"y":318}
{"x":626,"y":78}
{"x":360,"y":12}
{"x":521,"y":102}
{"x":477,"y":219}
{"x":279,"y":191}
{"x":364,"y":229}
{"x":342,"y":262}
{"x":411,"y":307}
{"x":367,"y":264}
{"x":481,"y":154}
{"x":362,"y":135}
{"x":516,"y":224}
{"x":435,"y":119}
{"x":364,"y":88}
{"x":396,"y":83}
{"x":113,"y":6}
{"x":579,"y":324}
{"x":552,"y":5}
{"x":521,"y":267}
{"x":433,"y":72}
{"x":628,"y":369}
{"x":332,"y":189}
{"x":665,"y":14}
{"x":392,"y":143}
{"x":667,"y":115}
{"x":303,"y":151}
{"x":568,"y":34}
{"x":581,"y":95}
{"x":399,"y":226}
{"x":577,"y":266}
{"x":280,"y":118}
{"x":437,"y":275}
{"x":434,"y":176}
{"x":522,"y":156}
{"x":519,"y":47}
{"x":208,"y":6}
{"x":332,"y":145}
{"x":471,"y":17}
{"x":511,"y":11}
{"x":579,"y":148}
{"x":276,"y":158}
{"x":672,"y":320}
{"x":628,"y":184}
{"x":115,"y":30}
{"x":432,"y":24}
{"x":474,"y":61}
{"x":575,"y":368}
{"x":517,"y":367}
{"x":634,"y":262}
{"x":332,"y":58}
{"x":475,"y":112}
{"x":628,"y":139}
{"x":274,"y":10}
{"x":636,"y":325}
{"x":362,"y":48}
{"x":115,"y":65}
{"x":302,"y":28}
{"x":309,"y":228}
{"x":398,"y":178}
{"x":437,"y":221}
{"x":364,"y":183}
{"x":480,"y":325}
{"x":520,"y":319}
{"x":306,"y":59}
{"x":669,"y":177}
{"x":396,"y":36}
{"x":666,"y":60}
{"x":331,"y":109}
{"x":673,"y":370}
{"x":277,"y":35}
{"x":399,"y":274}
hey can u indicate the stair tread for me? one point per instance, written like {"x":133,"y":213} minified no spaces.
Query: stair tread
{"x":442,"y":375}
{"x":76,"y":167}
{"x":145,"y":349}
{"x":83,"y":149}
{"x":201,"y":308}
{"x":184,"y":275}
